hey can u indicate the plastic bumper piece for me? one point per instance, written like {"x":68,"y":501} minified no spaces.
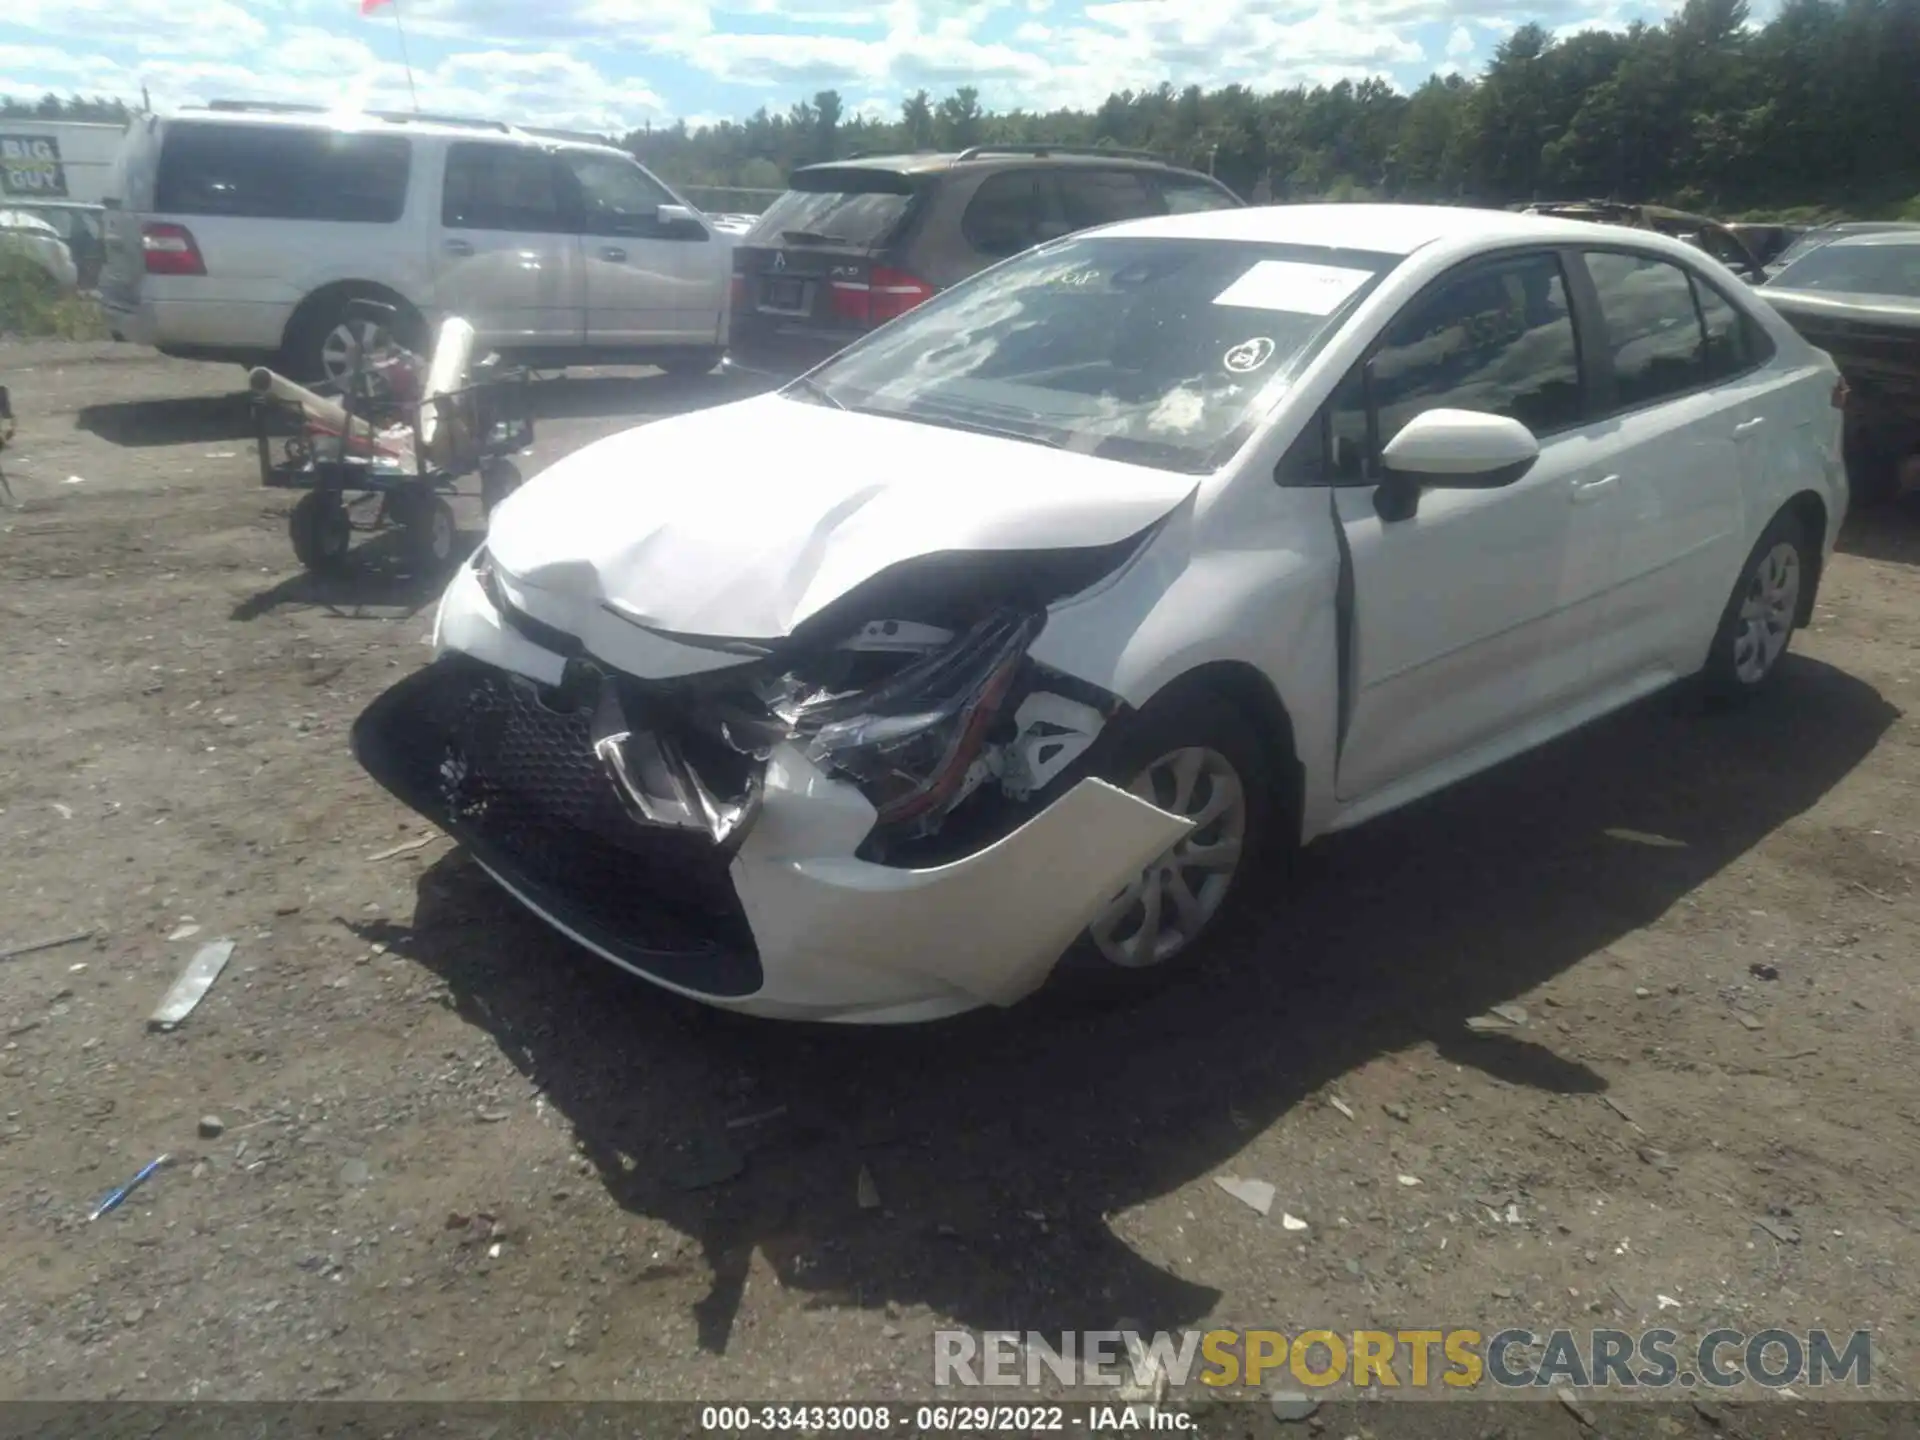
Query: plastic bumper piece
{"x":474,"y":750}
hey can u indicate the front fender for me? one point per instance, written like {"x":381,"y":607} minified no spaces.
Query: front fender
{"x":1265,"y":600}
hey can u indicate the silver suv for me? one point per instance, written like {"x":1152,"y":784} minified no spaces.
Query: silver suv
{"x":245,"y":232}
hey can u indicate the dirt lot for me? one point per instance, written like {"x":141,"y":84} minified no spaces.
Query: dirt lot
{"x":460,"y":1158}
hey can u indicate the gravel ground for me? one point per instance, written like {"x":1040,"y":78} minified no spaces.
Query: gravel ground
{"x":457,"y":1158}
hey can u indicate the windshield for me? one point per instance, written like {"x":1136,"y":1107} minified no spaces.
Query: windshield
{"x":1158,"y":351}
{"x":847,"y":206}
{"x":1883,"y":269}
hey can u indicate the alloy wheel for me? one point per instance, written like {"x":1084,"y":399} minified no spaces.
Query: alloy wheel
{"x":1766,"y":613}
{"x":345,"y":341}
{"x":1164,"y":909}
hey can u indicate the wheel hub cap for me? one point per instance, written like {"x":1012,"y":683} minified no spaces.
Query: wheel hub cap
{"x":348,"y":339}
{"x":1766,"y":613}
{"x":1164,"y":909}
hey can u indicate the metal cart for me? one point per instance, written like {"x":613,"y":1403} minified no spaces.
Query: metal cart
{"x":383,"y":454}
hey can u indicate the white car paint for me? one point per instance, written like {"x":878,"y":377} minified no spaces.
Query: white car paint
{"x":40,"y":242}
{"x":1490,"y":621}
{"x":824,"y":500}
{"x":554,"y":288}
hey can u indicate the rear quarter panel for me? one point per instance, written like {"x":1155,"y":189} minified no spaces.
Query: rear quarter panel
{"x":259,"y":270}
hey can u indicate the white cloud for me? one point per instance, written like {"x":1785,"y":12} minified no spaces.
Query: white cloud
{"x":1460,"y":43}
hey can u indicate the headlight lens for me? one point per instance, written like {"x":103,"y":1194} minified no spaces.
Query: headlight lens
{"x":910,"y":740}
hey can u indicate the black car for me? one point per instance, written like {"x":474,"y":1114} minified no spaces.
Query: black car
{"x":853,"y":243}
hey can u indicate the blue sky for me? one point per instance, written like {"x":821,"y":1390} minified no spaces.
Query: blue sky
{"x":615,"y":64}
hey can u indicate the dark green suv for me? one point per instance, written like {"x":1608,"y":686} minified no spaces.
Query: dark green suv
{"x":853,"y":243}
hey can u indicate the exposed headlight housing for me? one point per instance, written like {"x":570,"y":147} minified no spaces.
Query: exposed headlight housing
{"x":911,"y":742}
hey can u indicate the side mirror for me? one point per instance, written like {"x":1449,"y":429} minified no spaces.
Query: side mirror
{"x":1461,"y":450}
{"x":1451,"y":450}
{"x":677,"y":217}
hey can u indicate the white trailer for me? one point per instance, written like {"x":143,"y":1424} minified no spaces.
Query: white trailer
{"x":57,"y":160}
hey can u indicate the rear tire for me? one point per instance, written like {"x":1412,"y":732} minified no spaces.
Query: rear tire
{"x":320,"y":341}
{"x":498,"y":480}
{"x":1762,"y":613}
{"x":427,"y":526}
{"x":321,"y":533}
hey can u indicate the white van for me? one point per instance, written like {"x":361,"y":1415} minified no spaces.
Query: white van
{"x":243,"y":231}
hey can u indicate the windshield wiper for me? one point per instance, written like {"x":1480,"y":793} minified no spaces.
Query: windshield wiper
{"x":814,"y":387}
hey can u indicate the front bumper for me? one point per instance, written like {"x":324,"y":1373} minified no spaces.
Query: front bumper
{"x":791,"y":924}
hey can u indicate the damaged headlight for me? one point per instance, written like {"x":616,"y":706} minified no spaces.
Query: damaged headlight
{"x":913,"y":741}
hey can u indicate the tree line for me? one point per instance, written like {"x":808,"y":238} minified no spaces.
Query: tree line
{"x":1818,"y":110}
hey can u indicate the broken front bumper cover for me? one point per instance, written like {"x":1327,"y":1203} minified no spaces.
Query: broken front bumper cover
{"x":786,"y":923}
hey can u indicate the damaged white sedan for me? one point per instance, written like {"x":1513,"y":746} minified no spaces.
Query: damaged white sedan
{"x":1025,"y":625}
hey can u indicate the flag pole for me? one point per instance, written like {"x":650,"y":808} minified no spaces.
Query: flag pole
{"x":401,"y":31}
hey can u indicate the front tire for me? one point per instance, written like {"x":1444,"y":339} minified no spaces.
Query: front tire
{"x":1762,"y":613}
{"x":1194,"y":754}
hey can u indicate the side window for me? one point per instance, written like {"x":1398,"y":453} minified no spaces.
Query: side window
{"x":1734,"y":343}
{"x":255,"y":171}
{"x":617,"y":197}
{"x":1498,"y":338}
{"x":1099,"y":197}
{"x":502,"y":187}
{"x":1007,"y":214}
{"x":1190,"y":197}
{"x":1653,"y":330}
{"x":362,"y":178}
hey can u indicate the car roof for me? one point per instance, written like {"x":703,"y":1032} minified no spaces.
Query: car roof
{"x":21,"y":220}
{"x":1390,"y":229}
{"x":370,"y":122}
{"x":927,"y":162}
{"x":1865,"y":239}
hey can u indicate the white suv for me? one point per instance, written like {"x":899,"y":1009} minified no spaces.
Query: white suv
{"x":243,"y":232}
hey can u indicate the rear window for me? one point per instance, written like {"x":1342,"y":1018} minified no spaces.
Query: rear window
{"x":1859,"y":269}
{"x":1189,"y":197}
{"x":846,"y":206}
{"x":281,"y":173}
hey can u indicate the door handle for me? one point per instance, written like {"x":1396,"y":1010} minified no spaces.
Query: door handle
{"x":1747,"y":427}
{"x":458,"y":247}
{"x":613,"y":253}
{"x":1585,"y":492}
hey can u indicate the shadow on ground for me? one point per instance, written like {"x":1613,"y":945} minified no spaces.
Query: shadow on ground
{"x":188,"y":420}
{"x":380,"y":580}
{"x":1389,"y":936}
{"x":1884,"y":532}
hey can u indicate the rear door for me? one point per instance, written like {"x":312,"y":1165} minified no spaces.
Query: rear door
{"x":813,"y":268}
{"x":1687,"y":439}
{"x":648,"y":281}
{"x":129,"y":196}
{"x":507,"y":257}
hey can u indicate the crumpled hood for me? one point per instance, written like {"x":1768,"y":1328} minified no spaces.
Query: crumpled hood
{"x":743,"y":520}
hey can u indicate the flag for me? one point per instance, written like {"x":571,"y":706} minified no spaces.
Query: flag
{"x":367,"y":7}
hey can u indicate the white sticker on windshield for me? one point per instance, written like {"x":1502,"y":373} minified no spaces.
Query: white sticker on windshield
{"x":1293,"y":288}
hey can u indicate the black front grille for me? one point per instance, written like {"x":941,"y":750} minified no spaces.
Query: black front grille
{"x":508,"y":769}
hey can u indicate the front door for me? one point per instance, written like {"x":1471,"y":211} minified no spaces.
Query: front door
{"x":649,"y":281}
{"x":1479,"y":612}
{"x":506,"y":258}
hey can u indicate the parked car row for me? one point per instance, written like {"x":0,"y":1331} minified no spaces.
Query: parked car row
{"x":247,"y":232}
